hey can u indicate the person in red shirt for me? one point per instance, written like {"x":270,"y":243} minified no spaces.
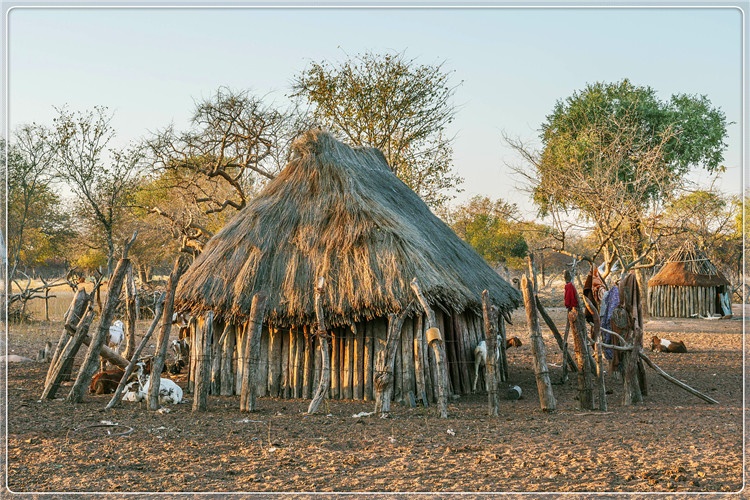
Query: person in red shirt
{"x":571,"y":296}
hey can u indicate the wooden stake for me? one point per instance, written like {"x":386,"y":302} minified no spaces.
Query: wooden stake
{"x":322,"y":334}
{"x":162,"y":342}
{"x":490,"y":314}
{"x":384,"y":380}
{"x":203,"y":348}
{"x":437,"y":346}
{"x":252,"y":352}
{"x":543,"y":385}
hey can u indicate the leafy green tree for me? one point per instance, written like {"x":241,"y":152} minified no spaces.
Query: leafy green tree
{"x":490,"y":228}
{"x":613,"y":155}
{"x":394,"y":104}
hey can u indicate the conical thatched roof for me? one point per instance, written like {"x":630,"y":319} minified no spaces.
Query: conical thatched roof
{"x":337,"y":212}
{"x":688,"y":266}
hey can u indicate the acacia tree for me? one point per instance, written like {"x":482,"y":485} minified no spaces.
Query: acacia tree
{"x":613,"y":156}
{"x":102,"y":178}
{"x":234,"y":144}
{"x":394,"y":104}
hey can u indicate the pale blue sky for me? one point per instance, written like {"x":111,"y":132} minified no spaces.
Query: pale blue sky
{"x":148,"y":65}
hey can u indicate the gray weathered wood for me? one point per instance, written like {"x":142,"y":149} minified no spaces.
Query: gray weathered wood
{"x":252,"y":352}
{"x":489,"y":313}
{"x":439,"y":350}
{"x":538,"y":351}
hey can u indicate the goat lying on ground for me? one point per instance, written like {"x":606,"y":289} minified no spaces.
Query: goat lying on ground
{"x":480,"y":355}
{"x":106,"y":382}
{"x":664,"y":345}
{"x":137,"y":388}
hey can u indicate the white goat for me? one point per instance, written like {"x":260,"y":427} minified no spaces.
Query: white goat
{"x":116,"y":335}
{"x":480,"y":359}
{"x":480,"y":355}
{"x":137,"y":390}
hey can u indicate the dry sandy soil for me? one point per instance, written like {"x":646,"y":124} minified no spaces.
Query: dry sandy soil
{"x":673,"y":443}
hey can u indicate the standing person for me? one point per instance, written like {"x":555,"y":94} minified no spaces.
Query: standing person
{"x":571,"y":296}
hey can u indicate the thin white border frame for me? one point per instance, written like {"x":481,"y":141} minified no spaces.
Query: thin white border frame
{"x":8,"y":7}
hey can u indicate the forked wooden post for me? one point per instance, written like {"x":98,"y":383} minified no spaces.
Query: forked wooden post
{"x":585,"y":386}
{"x":490,"y":315}
{"x":435,"y":340}
{"x":322,"y":333}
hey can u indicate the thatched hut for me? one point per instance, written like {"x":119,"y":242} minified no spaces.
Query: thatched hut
{"x":688,"y":285}
{"x":340,"y":213}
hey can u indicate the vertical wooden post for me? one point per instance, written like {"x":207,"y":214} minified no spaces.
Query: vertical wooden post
{"x":368,"y":360}
{"x":307,"y":370}
{"x":585,"y":387}
{"x":407,"y":359}
{"x":227,"y":373}
{"x":489,"y":312}
{"x":543,"y":385}
{"x":435,"y":340}
{"x":595,"y":334}
{"x":286,"y":357}
{"x":346,"y":358}
{"x":274,"y":362}
{"x":252,"y":352}
{"x":335,"y":365}
{"x":322,"y":334}
{"x":91,"y":361}
{"x":202,"y":373}
{"x":130,"y":314}
{"x":419,"y":364}
{"x":357,"y":361}
{"x":162,"y":342}
{"x":384,"y":380}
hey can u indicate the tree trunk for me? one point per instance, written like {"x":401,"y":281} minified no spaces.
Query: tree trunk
{"x":543,"y":385}
{"x":130,"y":314}
{"x":252,"y":352}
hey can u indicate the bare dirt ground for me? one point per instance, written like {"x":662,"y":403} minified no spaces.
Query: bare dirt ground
{"x":673,"y":443}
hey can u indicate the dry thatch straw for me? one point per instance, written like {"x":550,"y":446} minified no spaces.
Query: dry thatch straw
{"x":340,"y":213}
{"x":688,"y":266}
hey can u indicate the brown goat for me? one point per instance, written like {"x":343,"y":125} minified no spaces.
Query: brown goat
{"x":106,"y":382}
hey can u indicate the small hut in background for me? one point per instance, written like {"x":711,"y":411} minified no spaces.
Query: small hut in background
{"x":688,"y":285}
{"x":340,"y":213}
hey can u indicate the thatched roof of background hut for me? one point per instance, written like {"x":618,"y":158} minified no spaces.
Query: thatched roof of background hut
{"x":688,"y":266}
{"x":340,"y":213}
